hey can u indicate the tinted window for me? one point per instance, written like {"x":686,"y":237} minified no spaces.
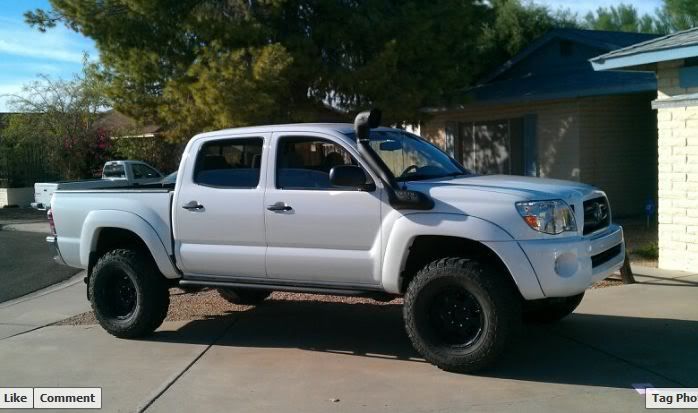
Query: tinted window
{"x":305,"y":162}
{"x":114,"y":171}
{"x":141,"y":171}
{"x":230,"y":163}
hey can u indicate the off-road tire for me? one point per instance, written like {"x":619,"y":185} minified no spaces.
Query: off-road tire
{"x":499,"y":304}
{"x":152,"y":297}
{"x":550,"y":310}
{"x":244,"y":296}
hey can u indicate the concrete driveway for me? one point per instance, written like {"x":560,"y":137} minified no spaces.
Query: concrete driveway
{"x":318,"y":357}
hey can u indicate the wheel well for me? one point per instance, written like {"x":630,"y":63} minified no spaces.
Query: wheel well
{"x":109,"y":239}
{"x":428,"y":248}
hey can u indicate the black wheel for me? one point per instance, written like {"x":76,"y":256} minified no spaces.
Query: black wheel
{"x":128,"y":294}
{"x":550,"y":310}
{"x":244,"y":296}
{"x":460,"y":314}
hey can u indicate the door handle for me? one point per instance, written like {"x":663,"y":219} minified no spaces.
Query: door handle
{"x":192,"y":205}
{"x":279,"y":207}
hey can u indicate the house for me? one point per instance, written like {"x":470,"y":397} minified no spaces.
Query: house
{"x":674,"y":60}
{"x":547,"y":113}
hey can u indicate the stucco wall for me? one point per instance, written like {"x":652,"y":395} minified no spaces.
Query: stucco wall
{"x":618,"y":137}
{"x":557,"y":130}
{"x":16,"y":196}
{"x":678,"y":173}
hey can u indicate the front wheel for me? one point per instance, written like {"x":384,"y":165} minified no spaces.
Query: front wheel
{"x":128,"y":294}
{"x":460,"y":314}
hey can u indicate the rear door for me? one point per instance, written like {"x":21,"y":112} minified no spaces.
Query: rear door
{"x":218,"y":210}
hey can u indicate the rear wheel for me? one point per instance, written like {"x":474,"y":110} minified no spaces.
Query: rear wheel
{"x":128,"y":294}
{"x":460,"y":314}
{"x":550,"y":310}
{"x":244,"y":296}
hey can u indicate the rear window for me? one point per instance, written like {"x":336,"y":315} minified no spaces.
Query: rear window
{"x":231,"y":163}
{"x":114,"y":171}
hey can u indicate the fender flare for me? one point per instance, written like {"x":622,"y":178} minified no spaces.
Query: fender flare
{"x":407,"y":228}
{"x":98,"y":220}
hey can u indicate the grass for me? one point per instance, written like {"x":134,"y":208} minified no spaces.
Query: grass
{"x":648,"y":251}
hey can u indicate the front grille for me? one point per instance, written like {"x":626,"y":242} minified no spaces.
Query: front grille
{"x":597,"y":215}
{"x":604,"y":257}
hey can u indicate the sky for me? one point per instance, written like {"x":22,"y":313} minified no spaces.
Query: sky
{"x":582,"y":7}
{"x":25,"y":52}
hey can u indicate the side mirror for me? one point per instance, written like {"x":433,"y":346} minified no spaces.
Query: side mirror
{"x":348,"y":176}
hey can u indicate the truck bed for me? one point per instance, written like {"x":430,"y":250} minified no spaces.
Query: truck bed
{"x":73,"y":209}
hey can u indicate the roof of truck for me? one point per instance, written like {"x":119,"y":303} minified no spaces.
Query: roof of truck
{"x":342,"y":128}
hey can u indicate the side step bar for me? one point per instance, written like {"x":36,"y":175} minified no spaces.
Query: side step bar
{"x":313,"y":289}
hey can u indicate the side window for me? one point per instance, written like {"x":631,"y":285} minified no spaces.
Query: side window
{"x":141,"y":171}
{"x":230,"y":163}
{"x":305,"y":162}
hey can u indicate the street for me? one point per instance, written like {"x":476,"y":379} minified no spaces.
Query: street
{"x":26,"y":264}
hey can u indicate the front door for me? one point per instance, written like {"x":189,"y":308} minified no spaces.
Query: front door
{"x":317,"y":232}
{"x":219,"y":209}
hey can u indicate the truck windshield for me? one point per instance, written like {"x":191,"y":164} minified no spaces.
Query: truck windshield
{"x":411,"y":158}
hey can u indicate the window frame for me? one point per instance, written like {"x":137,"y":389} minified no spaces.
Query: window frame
{"x":220,"y":141}
{"x":279,"y":137}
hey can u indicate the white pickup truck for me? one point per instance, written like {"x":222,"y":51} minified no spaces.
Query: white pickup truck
{"x":327,"y":208}
{"x":114,"y":174}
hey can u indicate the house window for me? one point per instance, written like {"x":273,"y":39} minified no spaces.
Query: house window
{"x":492,"y":147}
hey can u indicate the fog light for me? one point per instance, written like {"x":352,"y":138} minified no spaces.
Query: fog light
{"x":566,"y":264}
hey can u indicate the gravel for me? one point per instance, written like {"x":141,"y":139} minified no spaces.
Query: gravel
{"x":207,"y":302}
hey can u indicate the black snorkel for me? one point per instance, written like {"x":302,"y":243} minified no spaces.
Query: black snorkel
{"x":399,"y":198}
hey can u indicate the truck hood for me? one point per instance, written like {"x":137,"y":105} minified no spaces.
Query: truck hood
{"x":509,"y":186}
{"x":493,"y":198}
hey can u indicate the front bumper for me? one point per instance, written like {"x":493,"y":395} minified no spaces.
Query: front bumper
{"x":568,"y":266}
{"x":55,"y":251}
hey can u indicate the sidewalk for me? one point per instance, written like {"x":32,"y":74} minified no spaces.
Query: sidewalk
{"x":44,"y":307}
{"x":318,"y":357}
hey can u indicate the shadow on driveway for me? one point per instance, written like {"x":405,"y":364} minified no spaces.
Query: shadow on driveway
{"x":585,"y":349}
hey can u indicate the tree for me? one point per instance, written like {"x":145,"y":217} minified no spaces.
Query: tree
{"x":678,"y":15}
{"x":194,"y":65}
{"x":511,"y":25}
{"x":59,"y":117}
{"x":623,"y":18}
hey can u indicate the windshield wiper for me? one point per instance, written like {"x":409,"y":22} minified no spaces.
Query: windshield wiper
{"x":416,"y":177}
{"x":421,"y":177}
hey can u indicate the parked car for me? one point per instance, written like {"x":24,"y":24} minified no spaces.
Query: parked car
{"x":331,"y":209}
{"x":114,"y":174}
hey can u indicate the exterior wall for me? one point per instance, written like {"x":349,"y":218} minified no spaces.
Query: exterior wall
{"x":16,"y":196}
{"x":557,"y":131}
{"x":619,"y":150}
{"x":678,"y":173}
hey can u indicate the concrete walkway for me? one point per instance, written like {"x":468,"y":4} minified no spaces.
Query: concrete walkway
{"x":319,"y":357}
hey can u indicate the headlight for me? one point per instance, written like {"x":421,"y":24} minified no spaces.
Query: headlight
{"x":551,"y":217}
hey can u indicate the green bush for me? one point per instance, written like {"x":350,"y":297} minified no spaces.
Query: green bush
{"x":648,"y":251}
{"x":154,"y":150}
